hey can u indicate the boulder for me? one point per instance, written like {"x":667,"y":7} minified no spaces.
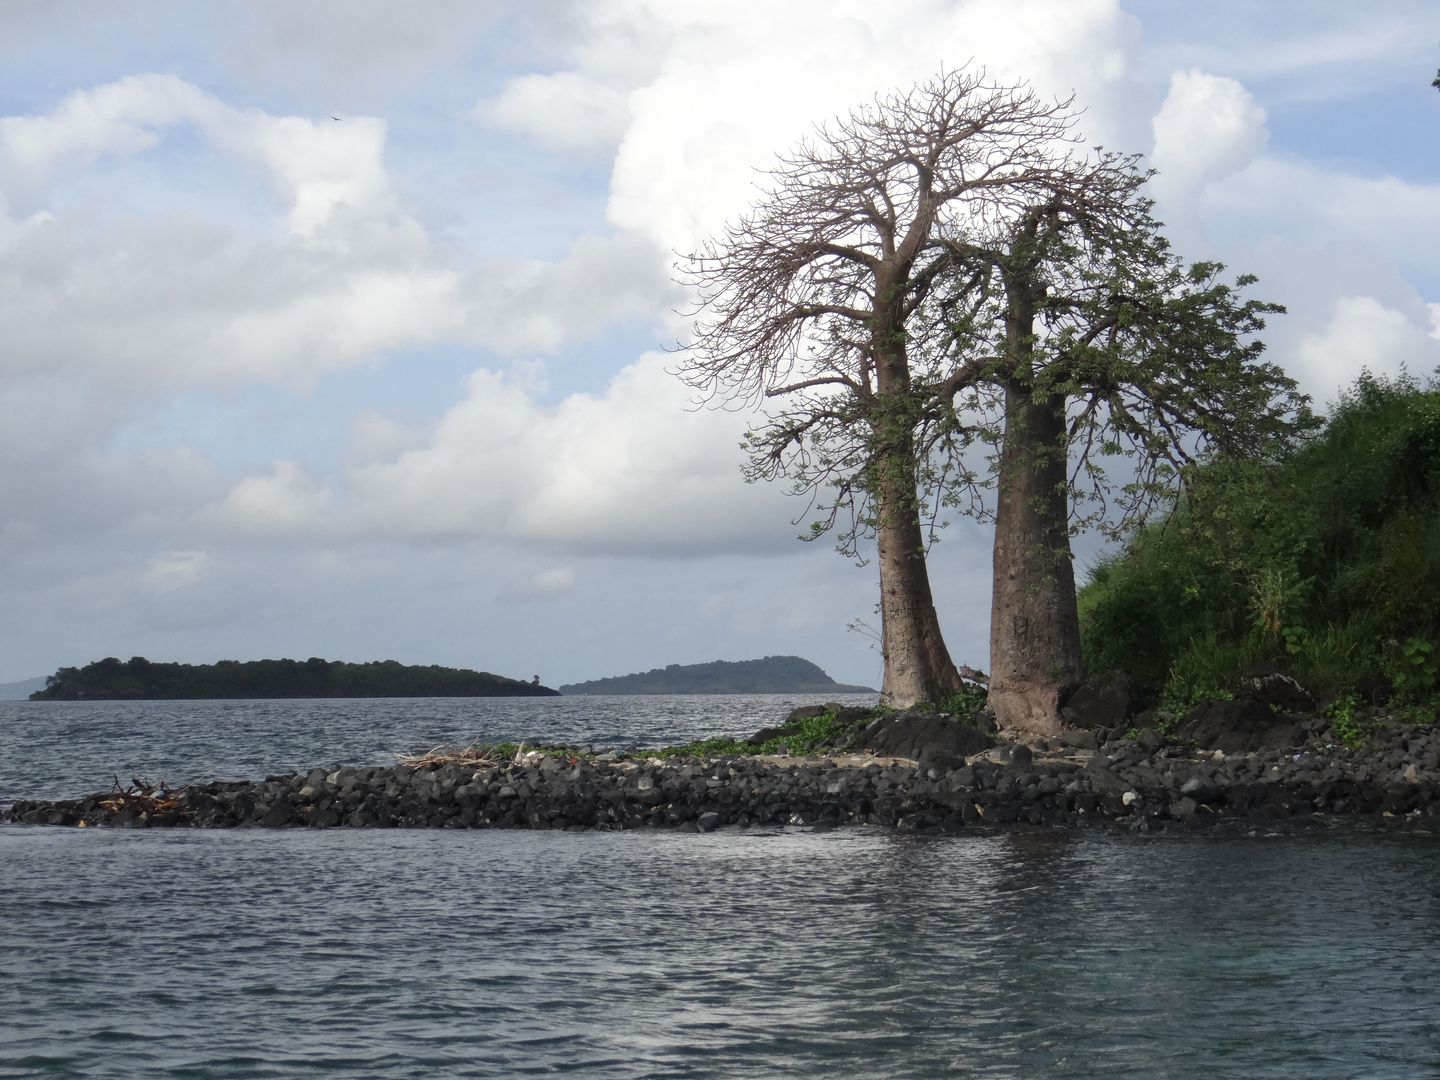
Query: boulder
{"x":1100,"y":701}
{"x":933,"y":740}
{"x":1237,"y":727}
{"x":1200,"y":789}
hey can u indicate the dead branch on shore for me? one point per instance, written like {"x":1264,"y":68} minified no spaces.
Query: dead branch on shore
{"x":450,"y":755}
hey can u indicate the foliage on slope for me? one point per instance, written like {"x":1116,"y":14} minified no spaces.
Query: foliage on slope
{"x":1325,"y":563}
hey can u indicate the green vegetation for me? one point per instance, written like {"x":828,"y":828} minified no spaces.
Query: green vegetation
{"x":964,"y":703}
{"x":811,"y":735}
{"x":772,"y":675}
{"x":314,"y":678}
{"x":1323,"y":561}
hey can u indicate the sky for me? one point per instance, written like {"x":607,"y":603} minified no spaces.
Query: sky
{"x":343,"y":329}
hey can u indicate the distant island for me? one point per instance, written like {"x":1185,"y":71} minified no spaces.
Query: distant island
{"x":772,"y":675}
{"x":138,"y":678}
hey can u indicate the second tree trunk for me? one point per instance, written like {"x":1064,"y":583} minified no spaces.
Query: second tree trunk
{"x":1034,"y":623}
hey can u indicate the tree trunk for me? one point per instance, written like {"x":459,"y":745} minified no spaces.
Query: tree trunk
{"x":917,"y":664}
{"x":1034,"y":623}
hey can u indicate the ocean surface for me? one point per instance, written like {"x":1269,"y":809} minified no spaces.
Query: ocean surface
{"x":759,"y":953}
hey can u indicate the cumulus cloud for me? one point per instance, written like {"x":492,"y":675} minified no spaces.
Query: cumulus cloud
{"x":634,"y":470}
{"x":315,"y":166}
{"x":745,"y":80}
{"x":1362,"y":334}
{"x":1208,"y":128}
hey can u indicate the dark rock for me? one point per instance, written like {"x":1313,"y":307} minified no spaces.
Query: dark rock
{"x":1270,"y":686}
{"x":281,"y":813}
{"x":1103,"y":778}
{"x":1100,"y":701}
{"x":984,"y":721}
{"x":1200,"y":788}
{"x":1150,"y":739}
{"x":1183,"y":808}
{"x":1080,"y":740}
{"x":1021,"y":756}
{"x":804,"y":712}
{"x":933,"y":740}
{"x":1237,"y":727}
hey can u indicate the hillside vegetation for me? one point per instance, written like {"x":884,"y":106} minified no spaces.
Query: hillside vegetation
{"x":1325,"y":564}
{"x":313,"y":678}
{"x":771,"y":675}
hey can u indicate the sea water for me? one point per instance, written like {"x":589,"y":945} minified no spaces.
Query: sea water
{"x":742,"y":953}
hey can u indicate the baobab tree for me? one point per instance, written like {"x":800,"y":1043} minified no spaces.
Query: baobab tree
{"x":957,"y":308}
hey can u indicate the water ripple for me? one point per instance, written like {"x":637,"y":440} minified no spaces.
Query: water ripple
{"x":398,"y":954}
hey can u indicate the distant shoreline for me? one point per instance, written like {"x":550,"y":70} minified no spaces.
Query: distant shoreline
{"x":768,"y":675}
{"x":140,"y":679}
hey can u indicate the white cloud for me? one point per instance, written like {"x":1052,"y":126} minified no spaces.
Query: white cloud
{"x":314,"y":166}
{"x":565,"y":111}
{"x":632,"y":470}
{"x":1362,"y":334}
{"x":1293,"y":198}
{"x":273,"y":504}
{"x":744,"y":80}
{"x":1208,"y":128}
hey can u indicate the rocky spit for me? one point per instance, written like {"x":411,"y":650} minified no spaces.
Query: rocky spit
{"x":911,"y":771}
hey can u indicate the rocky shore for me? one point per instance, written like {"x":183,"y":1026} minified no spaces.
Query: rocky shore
{"x":907,"y":770}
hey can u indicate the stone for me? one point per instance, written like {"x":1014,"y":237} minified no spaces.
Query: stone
{"x":1201,"y":789}
{"x":1241,"y":726}
{"x":1100,"y":701}
{"x":1183,"y":808}
{"x":281,"y":813}
{"x":1150,"y":739}
{"x":1080,"y":740}
{"x":804,"y":712}
{"x":933,"y":740}
{"x":1102,"y":777}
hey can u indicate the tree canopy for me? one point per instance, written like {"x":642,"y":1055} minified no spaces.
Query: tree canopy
{"x":958,"y":306}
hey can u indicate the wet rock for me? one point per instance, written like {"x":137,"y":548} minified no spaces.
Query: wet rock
{"x":280,"y":813}
{"x":1201,"y":789}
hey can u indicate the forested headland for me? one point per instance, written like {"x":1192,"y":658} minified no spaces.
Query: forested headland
{"x":1323,"y":562}
{"x":770,"y":675}
{"x":140,"y":678}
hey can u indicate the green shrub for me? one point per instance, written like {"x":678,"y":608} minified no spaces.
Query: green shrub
{"x":1309,"y":562}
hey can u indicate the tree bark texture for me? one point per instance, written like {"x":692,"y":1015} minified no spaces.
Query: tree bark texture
{"x":917,"y":664}
{"x":1034,"y":622}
